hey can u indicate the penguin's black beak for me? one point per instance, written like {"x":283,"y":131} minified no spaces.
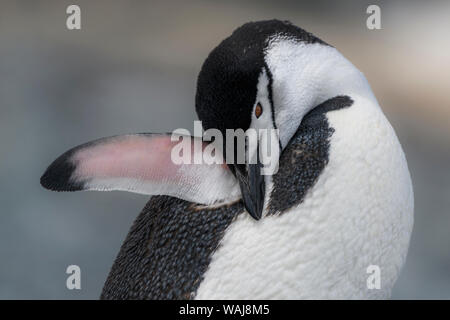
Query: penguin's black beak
{"x":252,"y":185}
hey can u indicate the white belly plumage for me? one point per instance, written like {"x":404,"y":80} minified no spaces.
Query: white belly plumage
{"x":359,"y":213}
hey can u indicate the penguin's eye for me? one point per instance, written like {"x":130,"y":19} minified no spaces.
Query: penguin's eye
{"x":258,"y":110}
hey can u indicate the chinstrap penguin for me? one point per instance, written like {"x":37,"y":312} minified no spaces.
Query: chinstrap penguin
{"x":341,"y":201}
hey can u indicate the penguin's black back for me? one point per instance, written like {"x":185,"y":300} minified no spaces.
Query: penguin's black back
{"x":170,"y":245}
{"x":167,"y":250}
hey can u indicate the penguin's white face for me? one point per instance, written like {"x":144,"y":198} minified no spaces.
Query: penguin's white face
{"x":295,"y":78}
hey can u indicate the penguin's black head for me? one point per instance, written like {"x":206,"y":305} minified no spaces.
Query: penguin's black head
{"x":228,"y":93}
{"x":227,"y":82}
{"x":226,"y":87}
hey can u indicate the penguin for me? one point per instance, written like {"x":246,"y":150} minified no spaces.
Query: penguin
{"x":340,"y":205}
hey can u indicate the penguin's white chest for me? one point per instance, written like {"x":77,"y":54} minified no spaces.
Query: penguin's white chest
{"x":358,"y":214}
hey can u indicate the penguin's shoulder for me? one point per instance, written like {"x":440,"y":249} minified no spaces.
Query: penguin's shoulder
{"x":168,"y":249}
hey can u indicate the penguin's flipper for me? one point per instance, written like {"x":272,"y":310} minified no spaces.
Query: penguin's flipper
{"x":146,"y":164}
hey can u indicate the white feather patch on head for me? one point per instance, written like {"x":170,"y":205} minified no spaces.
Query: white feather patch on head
{"x":305,"y":75}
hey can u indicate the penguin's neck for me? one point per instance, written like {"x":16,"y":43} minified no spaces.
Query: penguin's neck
{"x":306,"y":75}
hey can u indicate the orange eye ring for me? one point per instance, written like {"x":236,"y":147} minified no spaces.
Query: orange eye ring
{"x":258,"y":110}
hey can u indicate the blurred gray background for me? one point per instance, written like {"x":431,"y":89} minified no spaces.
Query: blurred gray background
{"x":132,"y":68}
